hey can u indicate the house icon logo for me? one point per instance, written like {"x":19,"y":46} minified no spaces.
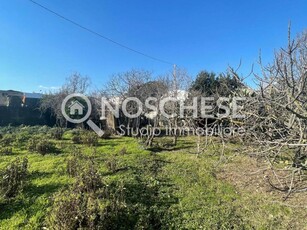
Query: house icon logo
{"x":76,"y":108}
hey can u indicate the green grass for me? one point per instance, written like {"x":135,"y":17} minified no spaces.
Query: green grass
{"x":48,"y":175}
{"x":189,"y":192}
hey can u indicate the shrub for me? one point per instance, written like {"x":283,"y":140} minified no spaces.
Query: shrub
{"x":31,"y":146}
{"x":44,"y":146}
{"x":76,"y":136}
{"x":72,"y":210}
{"x":89,"y":203}
{"x":8,"y":129}
{"x":43,"y":129}
{"x":76,"y":139}
{"x":64,"y":213}
{"x":57,"y":133}
{"x":6,"y":151}
{"x":79,"y":206}
{"x":81,"y":136}
{"x":14,"y":178}
{"x":22,"y":138}
{"x":89,"y":179}
{"x":8,"y":139}
{"x":73,"y":165}
{"x":90,"y":139}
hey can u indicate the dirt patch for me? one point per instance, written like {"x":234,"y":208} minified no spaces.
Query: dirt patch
{"x":252,"y":175}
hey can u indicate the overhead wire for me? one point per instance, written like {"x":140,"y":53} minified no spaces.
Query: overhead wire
{"x":100,"y":35}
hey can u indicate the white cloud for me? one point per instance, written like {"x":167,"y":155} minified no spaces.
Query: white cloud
{"x":48,"y":87}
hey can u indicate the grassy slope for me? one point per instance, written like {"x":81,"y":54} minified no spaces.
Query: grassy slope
{"x":201,"y":200}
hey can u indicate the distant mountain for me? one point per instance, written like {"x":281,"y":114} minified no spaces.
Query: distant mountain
{"x":11,"y":93}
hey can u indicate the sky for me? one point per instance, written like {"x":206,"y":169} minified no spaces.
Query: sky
{"x":39,"y":50}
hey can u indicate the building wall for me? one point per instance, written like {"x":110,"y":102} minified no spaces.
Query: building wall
{"x":24,"y":115}
{"x":3,"y":99}
{"x":9,"y":96}
{"x":14,"y":112}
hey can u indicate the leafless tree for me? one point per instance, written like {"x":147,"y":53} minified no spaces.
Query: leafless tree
{"x":178,"y":83}
{"x":53,"y":101}
{"x":142,"y":85}
{"x":276,"y":117}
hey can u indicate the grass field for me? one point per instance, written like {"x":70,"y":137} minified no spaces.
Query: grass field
{"x":167,"y":188}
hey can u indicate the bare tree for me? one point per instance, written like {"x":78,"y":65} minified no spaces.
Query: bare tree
{"x":276,"y":116}
{"x":125,"y":85}
{"x":178,"y":83}
{"x":142,"y":85}
{"x":53,"y":101}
